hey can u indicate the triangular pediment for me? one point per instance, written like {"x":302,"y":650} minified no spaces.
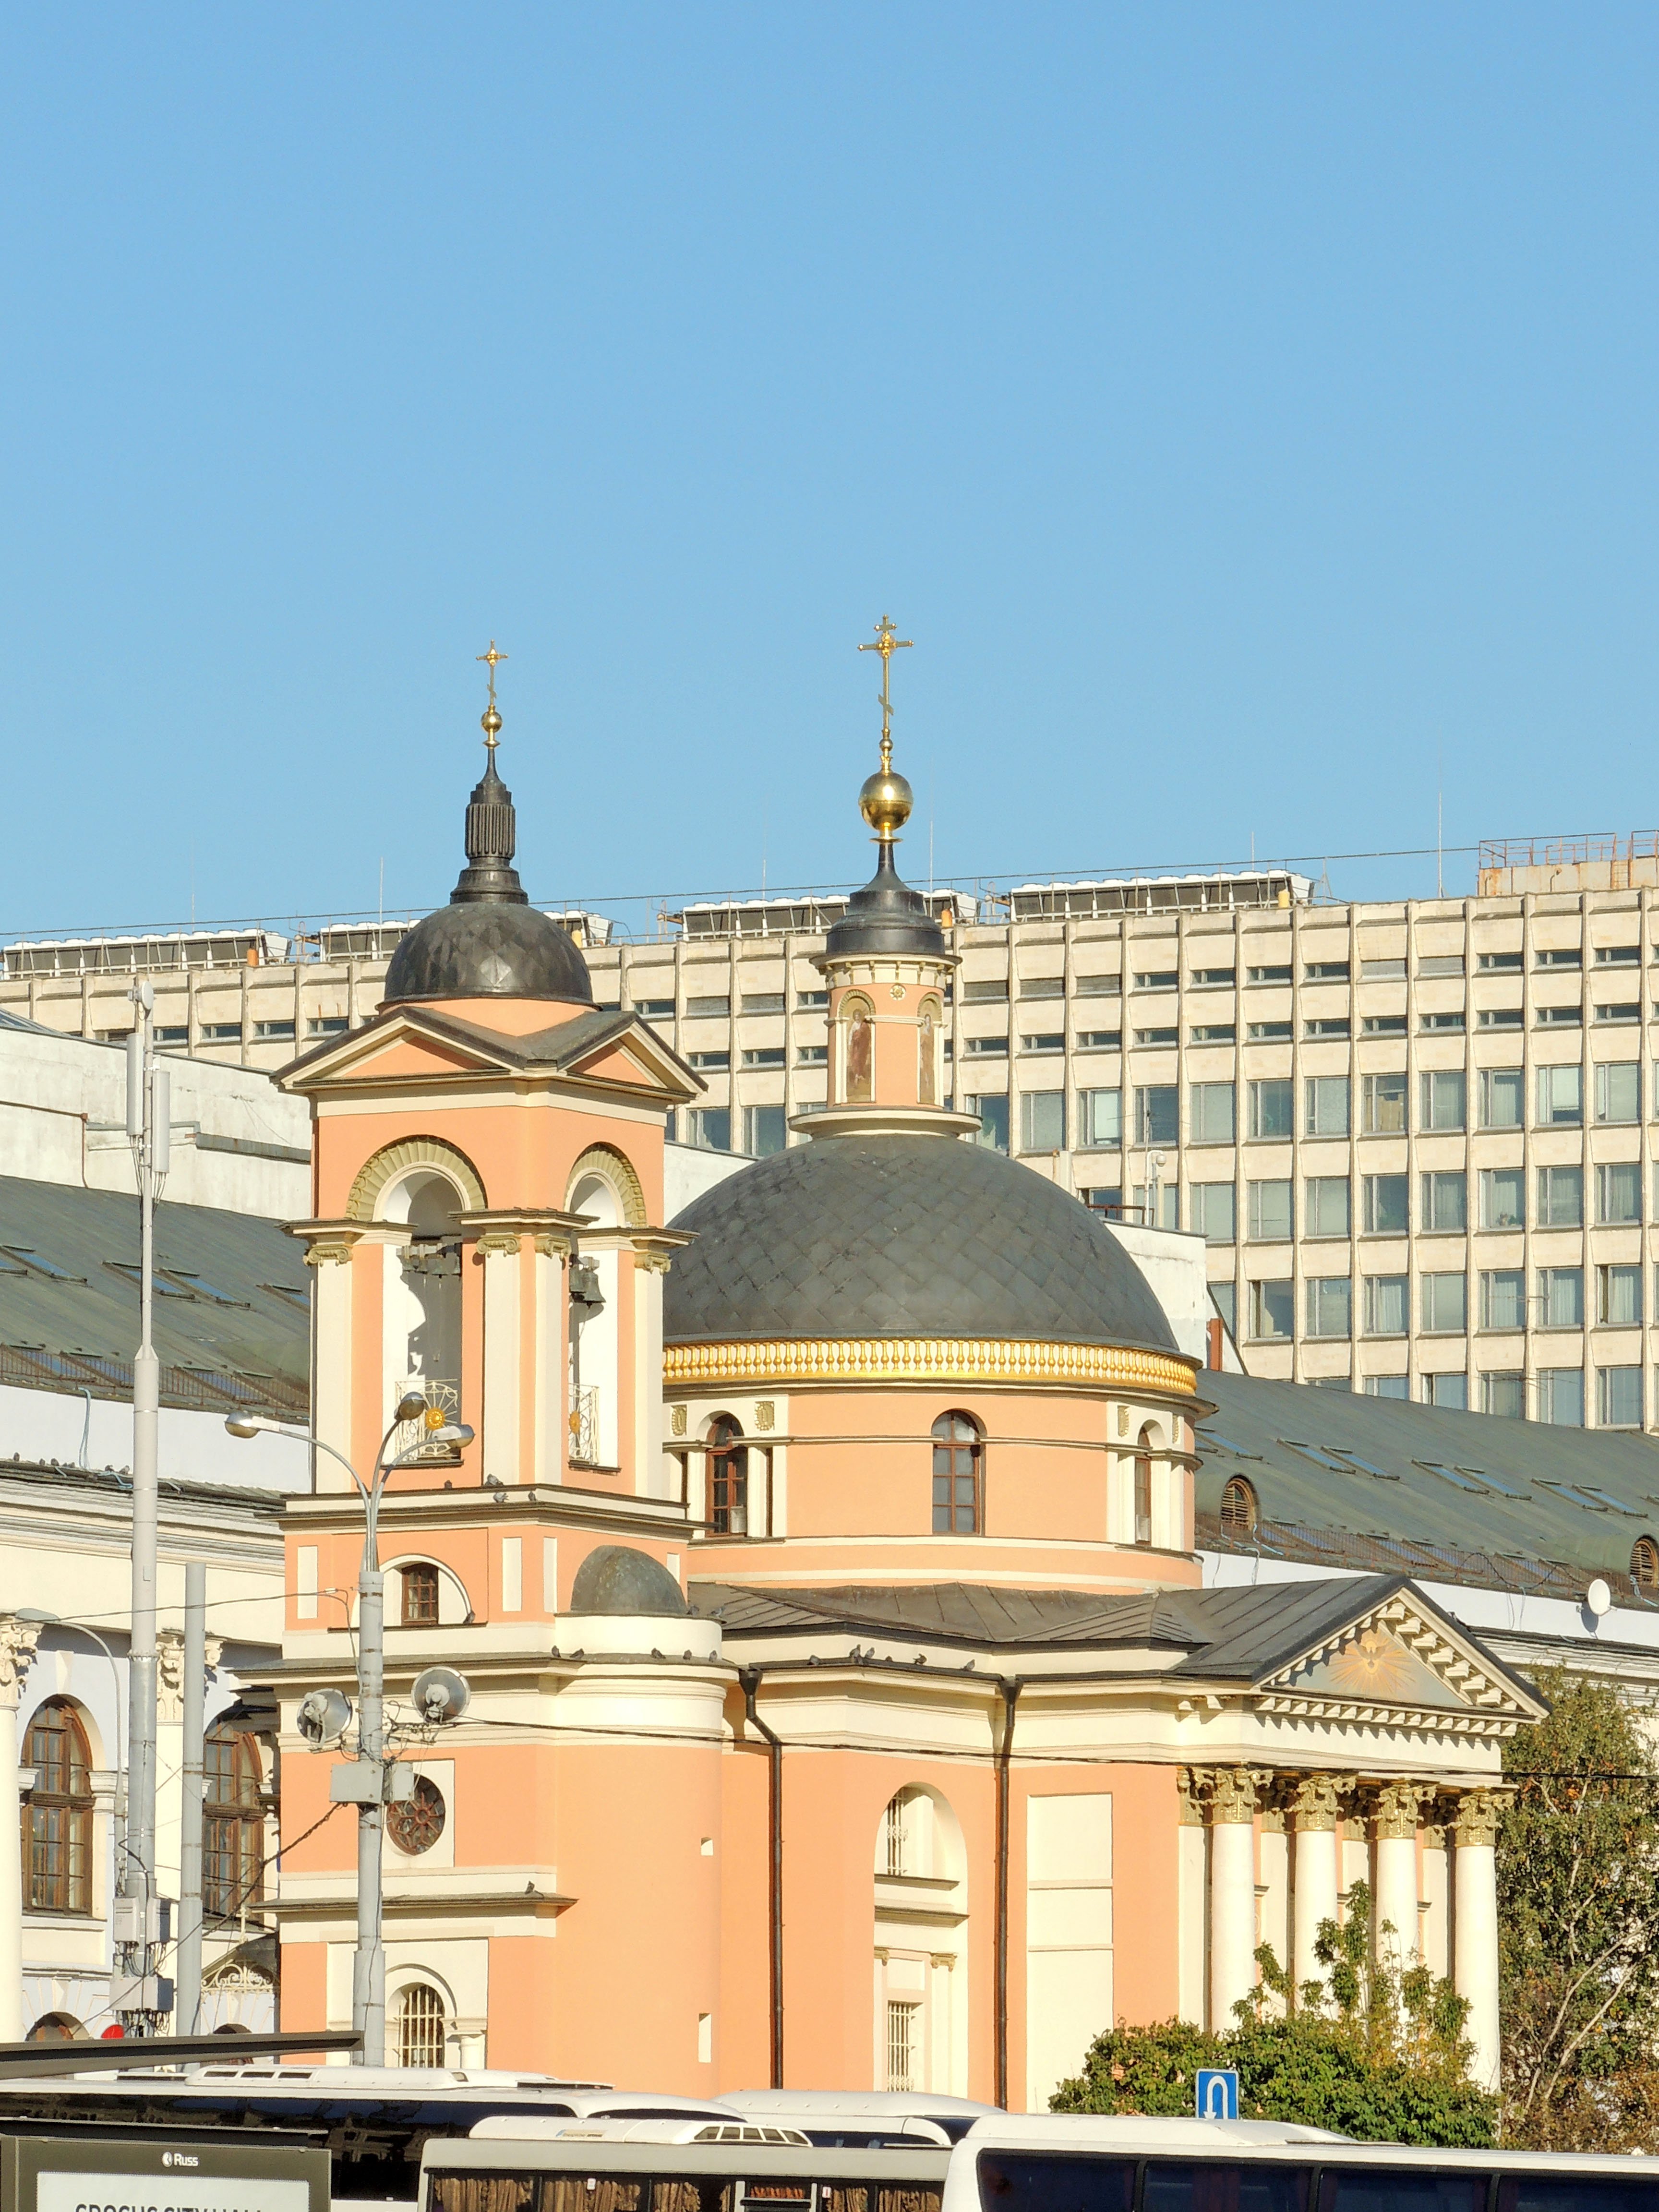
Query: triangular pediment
{"x":406,"y":1046}
{"x":1397,"y":1659}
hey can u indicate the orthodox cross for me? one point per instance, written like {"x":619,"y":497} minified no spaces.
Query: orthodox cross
{"x":492,"y":719}
{"x":888,"y":642}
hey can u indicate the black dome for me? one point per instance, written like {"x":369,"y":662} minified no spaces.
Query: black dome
{"x":885,"y":916}
{"x":903,"y":1236}
{"x":486,"y":950}
{"x":616,"y":1578}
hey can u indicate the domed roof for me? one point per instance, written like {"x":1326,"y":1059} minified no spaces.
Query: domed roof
{"x":903,"y":1236}
{"x":489,"y":942}
{"x":616,"y":1578}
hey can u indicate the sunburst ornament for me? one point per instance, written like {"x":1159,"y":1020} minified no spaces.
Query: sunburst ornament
{"x":1373,"y":1665}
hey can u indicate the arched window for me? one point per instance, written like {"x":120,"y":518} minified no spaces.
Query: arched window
{"x":1644,"y":1566}
{"x":728,"y":1479}
{"x":56,"y":2027}
{"x":421,"y":2027}
{"x":1239,"y":1507}
{"x":57,"y":1815}
{"x":928,"y":1054}
{"x":420,"y":1581}
{"x":232,"y":1823}
{"x":857,"y":1062}
{"x":958,"y":1470}
{"x":1143,"y":1488}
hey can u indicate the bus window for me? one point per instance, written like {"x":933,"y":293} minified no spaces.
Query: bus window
{"x":1537,"y":2192}
{"x":690,"y":2195}
{"x":1399,"y":2189}
{"x":482,"y":2192}
{"x":1214,"y":2184}
{"x":1050,"y":2181}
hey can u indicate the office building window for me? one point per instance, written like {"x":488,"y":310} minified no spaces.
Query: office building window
{"x":1142,"y":1036}
{"x":1272,"y":1108}
{"x":1560,"y":1198}
{"x":1447,"y":1390}
{"x":992,"y":1111}
{"x":1226,"y":1298}
{"x":1388,"y":1305}
{"x":1499,"y":1018}
{"x":1383,"y":1103}
{"x":1560,"y":1097}
{"x":1100,"y":1114}
{"x":1496,"y":964}
{"x":711,"y":1127}
{"x":1502,"y":1097}
{"x":1214,"y":1033}
{"x":1326,"y":1025}
{"x":1503,"y":1198}
{"x":764,"y":1130}
{"x":1158,"y":1204}
{"x":1273,"y":1309}
{"x":1042,"y":987}
{"x":1325,"y":971}
{"x":1212,"y":1210}
{"x":1504,"y":1393}
{"x":1214,"y":979}
{"x":1212,"y":1117}
{"x":1326,"y":1206}
{"x":1098,"y":1040}
{"x":1442,"y":1097}
{"x":814,"y":1055}
{"x":1443,"y":1022}
{"x":1443,"y":1303}
{"x":1271,"y":1214}
{"x":1559,"y":956}
{"x":1618,"y":956}
{"x":1042,"y":1120}
{"x":1619,"y":1192}
{"x":1269,"y":1032}
{"x":1054,"y":1040}
{"x":1561,"y":1396}
{"x":1386,"y":1386}
{"x":764,"y":1056}
{"x":1105,"y":1198}
{"x":712,"y":1063}
{"x":1158,"y":979}
{"x":1387,"y":1205}
{"x":1559,"y":1018}
{"x":1561,"y":1298}
{"x":1374,"y":1025}
{"x":1330,"y":1305}
{"x":1619,"y":1397}
{"x":1503,"y":1299}
{"x":1277,"y":973}
{"x":1619,"y":1091}
{"x":1158,"y":1114}
{"x":1445,"y":1199}
{"x":707,"y":1009}
{"x":1383,"y":971}
{"x":1619,"y":1295}
{"x":1327,"y":1100}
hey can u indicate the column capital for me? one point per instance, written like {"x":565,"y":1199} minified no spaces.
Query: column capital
{"x":1188,"y":1796}
{"x":1315,"y":1802}
{"x":1232,"y":1793}
{"x":169,"y":1673}
{"x":1476,"y":1821}
{"x":1397,"y":1807}
{"x":19,"y":1640}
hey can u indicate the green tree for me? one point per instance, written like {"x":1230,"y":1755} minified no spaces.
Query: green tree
{"x":1366,"y":2050}
{"x":1578,"y":1925}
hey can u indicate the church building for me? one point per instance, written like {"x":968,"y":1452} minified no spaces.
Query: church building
{"x":847,"y":1708}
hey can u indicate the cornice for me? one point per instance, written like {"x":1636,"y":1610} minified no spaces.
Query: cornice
{"x":927,"y":1359}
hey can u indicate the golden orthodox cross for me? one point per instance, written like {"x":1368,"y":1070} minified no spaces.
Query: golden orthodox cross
{"x":887,"y":643}
{"x":491,"y":714}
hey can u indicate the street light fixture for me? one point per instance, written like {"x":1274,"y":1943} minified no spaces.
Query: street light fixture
{"x":369,"y":1786}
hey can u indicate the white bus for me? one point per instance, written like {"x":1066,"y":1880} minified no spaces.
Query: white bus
{"x":850,"y":2119}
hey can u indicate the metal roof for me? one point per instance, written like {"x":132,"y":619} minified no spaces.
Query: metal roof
{"x":1344,"y":1481}
{"x":233,"y":1305}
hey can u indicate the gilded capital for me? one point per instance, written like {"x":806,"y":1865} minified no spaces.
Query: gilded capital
{"x":1315,"y":1802}
{"x":1397,"y":1807}
{"x":328,"y":1251}
{"x":499,"y":1243}
{"x":18,"y":1642}
{"x":1234,"y":1792}
{"x":1477,"y":1818}
{"x":1189,"y":1798}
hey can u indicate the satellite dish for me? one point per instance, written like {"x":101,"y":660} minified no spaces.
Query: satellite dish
{"x":324,"y":1717}
{"x":440,"y":1694}
{"x":1598,"y":1598}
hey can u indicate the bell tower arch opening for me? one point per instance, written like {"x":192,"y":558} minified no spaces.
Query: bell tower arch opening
{"x":422,"y":1289}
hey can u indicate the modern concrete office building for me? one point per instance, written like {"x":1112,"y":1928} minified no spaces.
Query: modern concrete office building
{"x":1413,"y":1134}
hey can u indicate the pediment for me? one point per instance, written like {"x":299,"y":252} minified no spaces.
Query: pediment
{"x":401,"y":1049}
{"x":407,"y":1045}
{"x":1399,"y":1659}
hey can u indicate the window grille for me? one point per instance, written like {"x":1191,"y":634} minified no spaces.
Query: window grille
{"x":901,"y":2024}
{"x":420,"y":1584}
{"x":421,"y":2027}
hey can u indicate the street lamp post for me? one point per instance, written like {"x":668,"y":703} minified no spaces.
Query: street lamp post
{"x":369,"y":1786}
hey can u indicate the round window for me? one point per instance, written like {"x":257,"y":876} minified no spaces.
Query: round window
{"x":415,"y":1825}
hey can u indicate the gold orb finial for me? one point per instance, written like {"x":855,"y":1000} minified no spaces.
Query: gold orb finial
{"x":490,"y":721}
{"x":886,"y":799}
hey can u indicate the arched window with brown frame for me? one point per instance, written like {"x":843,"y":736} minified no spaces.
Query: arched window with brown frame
{"x":1645,"y":1566}
{"x":58,"y":1812}
{"x":420,"y":1594}
{"x":1239,"y":1511}
{"x":233,"y":1823}
{"x":958,"y":1475}
{"x":728,"y":1479}
{"x":1143,"y":1488}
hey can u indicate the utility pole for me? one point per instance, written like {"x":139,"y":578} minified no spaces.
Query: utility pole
{"x":150,"y":1131}
{"x":368,"y":1969}
{"x":189,"y":2001}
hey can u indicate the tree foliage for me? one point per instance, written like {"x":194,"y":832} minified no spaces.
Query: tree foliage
{"x":1366,"y":2050}
{"x":1578,"y":1926}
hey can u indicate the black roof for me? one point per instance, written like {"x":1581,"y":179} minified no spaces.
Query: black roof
{"x":903,"y":1236}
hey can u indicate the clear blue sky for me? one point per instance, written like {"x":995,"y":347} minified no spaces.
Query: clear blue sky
{"x":1244,"y":409}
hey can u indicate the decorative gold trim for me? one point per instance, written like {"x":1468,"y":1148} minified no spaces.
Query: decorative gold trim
{"x":923,"y":1360}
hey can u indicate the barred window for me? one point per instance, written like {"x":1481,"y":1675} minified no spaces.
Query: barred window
{"x":1239,"y":1507}
{"x":420,"y":1584}
{"x":421,"y":2027}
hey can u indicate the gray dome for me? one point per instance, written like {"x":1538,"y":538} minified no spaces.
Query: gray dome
{"x":903,"y":1236}
{"x":885,"y":916}
{"x":486,"y":949}
{"x":616,"y":1578}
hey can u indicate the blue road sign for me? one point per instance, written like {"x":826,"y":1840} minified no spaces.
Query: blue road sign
{"x":1217,"y":2093}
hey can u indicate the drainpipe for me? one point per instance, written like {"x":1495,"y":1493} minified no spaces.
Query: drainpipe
{"x":1004,"y":1752}
{"x":750,"y":1679}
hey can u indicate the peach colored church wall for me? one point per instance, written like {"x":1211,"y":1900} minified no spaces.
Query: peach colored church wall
{"x":304,"y":1985}
{"x":523,"y":1152}
{"x":473,"y":1554}
{"x":746,"y":1849}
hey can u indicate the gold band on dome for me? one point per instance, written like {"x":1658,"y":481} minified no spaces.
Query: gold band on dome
{"x":923,"y":1360}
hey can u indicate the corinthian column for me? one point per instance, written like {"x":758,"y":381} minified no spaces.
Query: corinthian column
{"x":1314,"y":1803}
{"x":1232,"y":1794}
{"x":1397,"y":1808}
{"x":1474,"y":1968}
{"x":17,"y":1641}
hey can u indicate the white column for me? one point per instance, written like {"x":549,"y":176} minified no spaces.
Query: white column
{"x":1273,"y":1865}
{"x":1233,"y":1891}
{"x":502,"y":1380}
{"x":1435,"y":1922}
{"x":1475,"y":1966}
{"x":17,"y":1641}
{"x":1313,"y":1814}
{"x":651,"y":1469}
{"x":1398,"y":1804}
{"x":1190,"y":1899}
{"x":331,"y":1263}
{"x":552,"y":1388}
